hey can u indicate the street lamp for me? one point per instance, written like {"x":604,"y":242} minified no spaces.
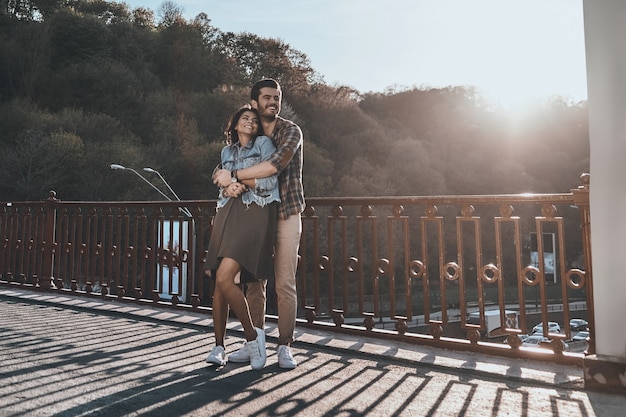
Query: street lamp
{"x":162,"y":179}
{"x":169,"y":232}
{"x":123,"y":168}
{"x":184,"y":209}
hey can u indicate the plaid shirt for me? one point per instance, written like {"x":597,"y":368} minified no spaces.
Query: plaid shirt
{"x":287,"y":159}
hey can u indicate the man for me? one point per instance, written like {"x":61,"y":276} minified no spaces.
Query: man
{"x":266,"y":98}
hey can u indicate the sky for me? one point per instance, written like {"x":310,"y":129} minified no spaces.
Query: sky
{"x":513,"y":51}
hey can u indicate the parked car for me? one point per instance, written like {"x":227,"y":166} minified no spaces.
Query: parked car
{"x":536,"y":340}
{"x":553,"y":327}
{"x":521,"y":336}
{"x":581,"y":336}
{"x":578,"y":324}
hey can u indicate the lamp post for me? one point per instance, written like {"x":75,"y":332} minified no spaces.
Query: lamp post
{"x":183,"y":209}
{"x":123,"y":168}
{"x":162,"y":179}
{"x":170,"y":287}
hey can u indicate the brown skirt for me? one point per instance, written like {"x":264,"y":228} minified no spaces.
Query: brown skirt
{"x":245,"y":234}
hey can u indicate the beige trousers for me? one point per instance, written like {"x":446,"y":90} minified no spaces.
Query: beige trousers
{"x":285,"y":265}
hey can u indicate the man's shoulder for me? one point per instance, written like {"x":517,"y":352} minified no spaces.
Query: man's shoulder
{"x":286,"y":123}
{"x":287,"y":127}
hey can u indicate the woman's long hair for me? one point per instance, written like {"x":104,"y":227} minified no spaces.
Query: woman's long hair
{"x":231,"y":133}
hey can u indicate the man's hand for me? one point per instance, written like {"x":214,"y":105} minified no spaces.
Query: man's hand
{"x":222,"y":178}
{"x":234,"y":189}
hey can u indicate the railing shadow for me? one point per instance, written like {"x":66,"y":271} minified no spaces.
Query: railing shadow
{"x":58,"y":361}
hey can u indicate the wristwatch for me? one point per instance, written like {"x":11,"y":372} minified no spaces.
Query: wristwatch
{"x":233,"y":176}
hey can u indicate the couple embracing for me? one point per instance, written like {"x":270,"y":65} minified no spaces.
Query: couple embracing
{"x":257,"y":228}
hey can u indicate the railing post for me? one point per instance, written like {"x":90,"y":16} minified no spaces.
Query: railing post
{"x":49,"y":227}
{"x":581,"y":199}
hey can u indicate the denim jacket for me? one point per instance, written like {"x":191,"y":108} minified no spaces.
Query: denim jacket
{"x":237,"y":157}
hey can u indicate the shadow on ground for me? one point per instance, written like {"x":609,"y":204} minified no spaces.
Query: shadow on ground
{"x":58,"y":361}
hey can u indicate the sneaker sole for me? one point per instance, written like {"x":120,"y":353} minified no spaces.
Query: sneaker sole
{"x":216,"y":362}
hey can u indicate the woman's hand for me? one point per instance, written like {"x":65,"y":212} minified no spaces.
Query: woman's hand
{"x":234,"y":189}
{"x":221,"y":177}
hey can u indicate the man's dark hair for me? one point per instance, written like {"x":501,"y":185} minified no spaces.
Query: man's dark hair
{"x":256,"y":88}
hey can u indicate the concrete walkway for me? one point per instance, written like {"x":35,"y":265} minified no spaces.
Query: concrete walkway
{"x":70,"y":356}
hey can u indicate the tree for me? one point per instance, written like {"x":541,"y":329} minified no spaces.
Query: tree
{"x":75,"y":39}
{"x":258,"y":58}
{"x":141,"y":94}
{"x":185,"y":61}
{"x":317,"y":169}
{"x":418,"y":171}
{"x":41,"y":162}
{"x":21,"y":10}
{"x":170,"y":14}
{"x":365,"y":179}
{"x":143,"y":17}
{"x":107,"y":12}
{"x":24,"y":57}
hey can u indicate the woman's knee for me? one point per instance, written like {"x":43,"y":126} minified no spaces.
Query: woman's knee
{"x":226,"y":272}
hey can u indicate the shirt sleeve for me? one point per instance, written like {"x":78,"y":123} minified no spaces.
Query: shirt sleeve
{"x":287,"y":141}
{"x":267,"y":149}
{"x":223,"y":159}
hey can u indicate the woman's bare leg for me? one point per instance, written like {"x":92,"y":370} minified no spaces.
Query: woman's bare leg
{"x":225,"y":281}
{"x":220,"y":315}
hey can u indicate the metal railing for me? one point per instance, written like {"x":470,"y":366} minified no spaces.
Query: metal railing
{"x":425,"y":270}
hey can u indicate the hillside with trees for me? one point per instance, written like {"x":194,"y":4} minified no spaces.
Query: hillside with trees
{"x":84,"y":84}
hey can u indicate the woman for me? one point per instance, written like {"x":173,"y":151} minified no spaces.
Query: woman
{"x":242,"y":240}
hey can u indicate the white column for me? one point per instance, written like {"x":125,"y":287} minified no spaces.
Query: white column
{"x":605,"y":42}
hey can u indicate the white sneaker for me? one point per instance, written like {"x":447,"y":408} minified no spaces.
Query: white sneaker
{"x":285,"y":358}
{"x":217,"y":356}
{"x":240,"y":356}
{"x":255,"y":349}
